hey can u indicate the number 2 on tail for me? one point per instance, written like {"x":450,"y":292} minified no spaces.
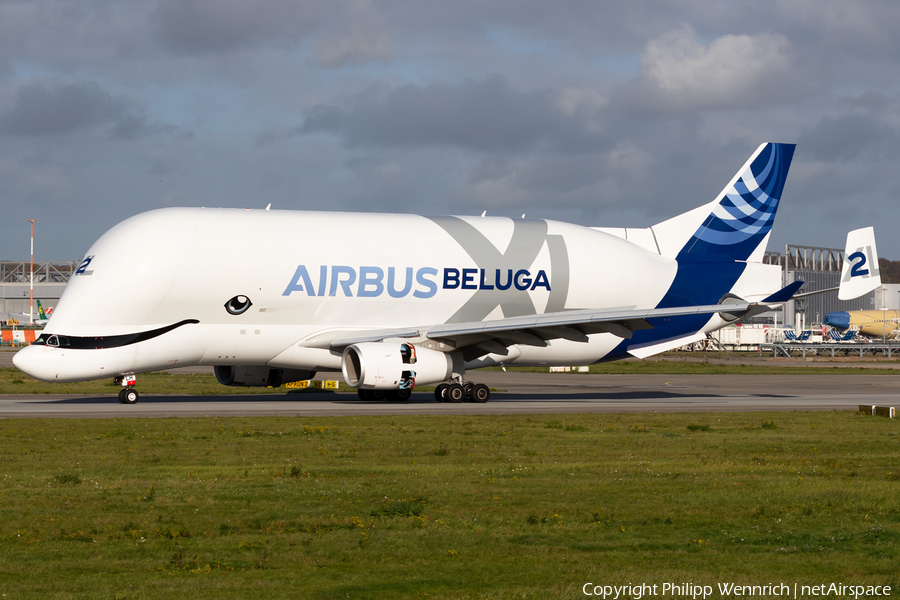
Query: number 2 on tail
{"x":857,"y":269}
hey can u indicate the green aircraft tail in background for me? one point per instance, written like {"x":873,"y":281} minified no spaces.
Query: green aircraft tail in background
{"x":41,"y":314}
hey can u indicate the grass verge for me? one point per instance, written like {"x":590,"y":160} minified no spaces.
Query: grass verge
{"x":444,"y":507}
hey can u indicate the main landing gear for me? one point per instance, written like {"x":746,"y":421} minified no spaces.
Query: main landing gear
{"x":128,"y":395}
{"x":462,"y":391}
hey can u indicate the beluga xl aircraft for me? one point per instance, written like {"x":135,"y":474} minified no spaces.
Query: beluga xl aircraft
{"x":394,"y":301}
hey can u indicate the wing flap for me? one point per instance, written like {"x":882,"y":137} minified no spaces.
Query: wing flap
{"x":572,"y":325}
{"x":532,"y":330}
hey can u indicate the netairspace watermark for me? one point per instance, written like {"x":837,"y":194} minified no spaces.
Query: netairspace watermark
{"x":729,"y":590}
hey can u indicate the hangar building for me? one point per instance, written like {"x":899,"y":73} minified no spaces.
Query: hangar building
{"x":49,"y":280}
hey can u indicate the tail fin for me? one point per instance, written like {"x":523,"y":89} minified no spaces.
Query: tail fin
{"x":860,"y":274}
{"x":41,"y":313}
{"x":734,"y":226}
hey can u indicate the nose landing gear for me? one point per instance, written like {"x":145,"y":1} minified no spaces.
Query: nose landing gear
{"x":128,"y":395}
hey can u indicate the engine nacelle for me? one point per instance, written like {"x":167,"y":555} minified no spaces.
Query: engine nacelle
{"x":259,"y":376}
{"x":386,"y":366}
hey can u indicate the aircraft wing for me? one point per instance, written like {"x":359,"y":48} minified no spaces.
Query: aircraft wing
{"x":342,"y":339}
{"x":484,"y":337}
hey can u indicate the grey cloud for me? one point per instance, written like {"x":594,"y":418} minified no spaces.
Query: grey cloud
{"x":613,"y":111}
{"x":360,"y":46}
{"x":165,"y":164}
{"x":679,"y":72}
{"x":343,"y":32}
{"x":47,"y":110}
{"x":197,"y":26}
{"x":850,"y":138}
{"x":133,"y":126}
{"x":869,"y":101}
{"x":41,"y":109}
{"x":358,"y":37}
{"x":488,"y":115}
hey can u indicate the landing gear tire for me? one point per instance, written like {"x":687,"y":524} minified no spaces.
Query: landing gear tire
{"x":480,"y":393}
{"x":363,"y":394}
{"x":129,"y":396}
{"x":404,"y":395}
{"x":456,"y":393}
{"x":440,"y":392}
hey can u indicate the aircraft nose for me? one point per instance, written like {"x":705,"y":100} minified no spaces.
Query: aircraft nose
{"x":32,"y":361}
{"x":838,"y":320}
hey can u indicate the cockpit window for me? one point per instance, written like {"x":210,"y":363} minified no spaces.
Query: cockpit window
{"x":110,"y":341}
{"x":56,"y":341}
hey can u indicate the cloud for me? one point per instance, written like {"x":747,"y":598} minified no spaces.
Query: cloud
{"x":41,"y":109}
{"x":342,"y":32}
{"x":208,"y":26}
{"x":853,"y":137}
{"x":359,"y":38}
{"x":53,"y":109}
{"x":486,"y":115}
{"x":733,"y":71}
{"x":609,"y":114}
{"x":362,"y":46}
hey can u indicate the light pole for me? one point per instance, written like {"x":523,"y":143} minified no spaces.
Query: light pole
{"x":31,"y":287}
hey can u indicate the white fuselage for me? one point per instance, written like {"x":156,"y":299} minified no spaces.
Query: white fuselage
{"x":310,"y":274}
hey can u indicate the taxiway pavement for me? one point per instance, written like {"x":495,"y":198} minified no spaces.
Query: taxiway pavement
{"x":522,"y":393}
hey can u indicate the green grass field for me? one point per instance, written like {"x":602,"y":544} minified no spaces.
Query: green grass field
{"x":444,"y":506}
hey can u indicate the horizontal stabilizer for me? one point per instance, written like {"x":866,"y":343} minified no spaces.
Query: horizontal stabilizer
{"x":666,"y":345}
{"x":785,"y":293}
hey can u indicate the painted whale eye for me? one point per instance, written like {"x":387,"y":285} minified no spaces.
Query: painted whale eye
{"x":238,"y":305}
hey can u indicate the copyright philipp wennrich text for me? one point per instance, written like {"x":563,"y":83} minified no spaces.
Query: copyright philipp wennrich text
{"x":643,"y":590}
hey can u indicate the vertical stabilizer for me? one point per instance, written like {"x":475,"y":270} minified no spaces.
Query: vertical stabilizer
{"x":41,"y":313}
{"x":734,"y":226}
{"x":860,"y":274}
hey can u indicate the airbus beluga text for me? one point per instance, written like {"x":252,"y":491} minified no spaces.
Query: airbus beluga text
{"x":395,"y":301}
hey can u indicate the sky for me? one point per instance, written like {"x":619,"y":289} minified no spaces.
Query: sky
{"x":616,"y":114}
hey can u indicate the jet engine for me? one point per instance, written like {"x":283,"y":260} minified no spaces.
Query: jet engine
{"x":385,"y":366}
{"x":259,"y":376}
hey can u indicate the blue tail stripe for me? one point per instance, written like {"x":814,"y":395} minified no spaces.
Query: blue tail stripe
{"x":739,"y":225}
{"x":745,"y":214}
{"x":742,"y":216}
